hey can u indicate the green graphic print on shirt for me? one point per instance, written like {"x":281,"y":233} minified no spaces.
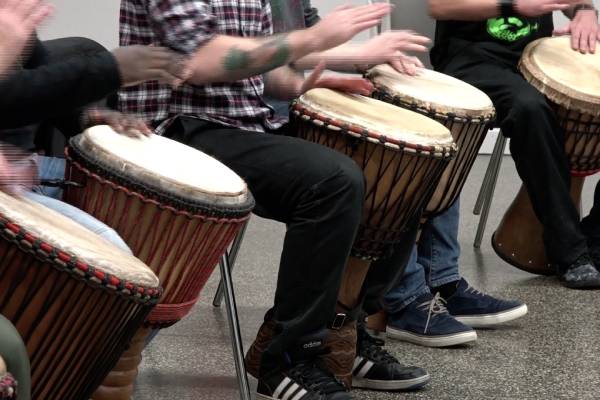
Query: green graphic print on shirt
{"x":510,"y":29}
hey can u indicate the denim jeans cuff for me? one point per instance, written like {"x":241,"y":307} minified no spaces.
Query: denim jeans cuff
{"x":399,"y":306}
{"x":443,"y":281}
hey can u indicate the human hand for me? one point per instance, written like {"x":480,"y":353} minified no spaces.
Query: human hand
{"x":139,"y":64}
{"x":18,"y":21}
{"x":347,"y":84}
{"x":584,"y":31}
{"x":345,"y":22}
{"x":121,"y":123}
{"x":535,"y":8}
{"x":390,"y":47}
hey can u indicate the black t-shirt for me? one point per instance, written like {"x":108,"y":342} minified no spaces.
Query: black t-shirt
{"x":502,"y":37}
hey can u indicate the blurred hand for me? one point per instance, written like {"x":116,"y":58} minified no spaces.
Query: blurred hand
{"x":121,"y":123}
{"x":139,"y":64}
{"x":583,"y":30}
{"x":535,"y":8}
{"x":391,"y":47}
{"x":18,"y":21}
{"x":345,"y":22}
{"x":347,"y":84}
{"x":17,"y":172}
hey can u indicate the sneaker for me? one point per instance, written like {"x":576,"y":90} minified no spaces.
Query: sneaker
{"x":426,"y":322}
{"x":479,"y":310}
{"x":582,"y":274}
{"x":376,"y":369}
{"x":304,"y":381}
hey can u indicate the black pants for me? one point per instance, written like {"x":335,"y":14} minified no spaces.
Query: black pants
{"x":537,"y":147}
{"x":317,"y":192}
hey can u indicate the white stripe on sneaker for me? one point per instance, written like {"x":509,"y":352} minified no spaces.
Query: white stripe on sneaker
{"x":364,"y":370}
{"x":286,"y":381}
{"x":300,"y":394}
{"x":289,"y":392}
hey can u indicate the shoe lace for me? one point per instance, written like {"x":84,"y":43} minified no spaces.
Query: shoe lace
{"x":313,"y":378}
{"x":434,"y":307}
{"x":372,"y":348}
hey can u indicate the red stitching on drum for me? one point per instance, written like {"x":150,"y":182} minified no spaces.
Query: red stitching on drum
{"x":152,"y":201}
{"x":358,"y":130}
{"x":64,"y":261}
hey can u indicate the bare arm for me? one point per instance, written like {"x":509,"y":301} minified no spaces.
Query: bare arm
{"x":227,"y":58}
{"x":477,"y":10}
{"x":390,"y":47}
{"x":283,"y":83}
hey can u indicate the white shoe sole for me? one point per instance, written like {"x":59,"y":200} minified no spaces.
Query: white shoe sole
{"x":432,"y":341}
{"x":416,"y":383}
{"x":490,"y":320}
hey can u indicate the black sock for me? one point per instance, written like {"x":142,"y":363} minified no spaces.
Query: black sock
{"x":446,"y":290}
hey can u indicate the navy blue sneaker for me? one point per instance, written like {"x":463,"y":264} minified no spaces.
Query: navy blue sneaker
{"x":426,"y":322}
{"x":479,"y":310}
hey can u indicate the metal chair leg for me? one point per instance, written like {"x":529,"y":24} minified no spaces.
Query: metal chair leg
{"x":233,"y":253}
{"x":234,"y":329}
{"x":481,"y":198}
{"x":490,"y":192}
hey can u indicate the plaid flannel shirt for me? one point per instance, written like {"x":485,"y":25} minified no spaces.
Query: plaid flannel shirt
{"x":184,"y":26}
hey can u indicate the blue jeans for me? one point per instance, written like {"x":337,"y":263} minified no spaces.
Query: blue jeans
{"x":433,"y":262}
{"x":54,"y":168}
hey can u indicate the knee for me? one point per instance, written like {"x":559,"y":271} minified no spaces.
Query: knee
{"x":530,"y":105}
{"x":351,"y":180}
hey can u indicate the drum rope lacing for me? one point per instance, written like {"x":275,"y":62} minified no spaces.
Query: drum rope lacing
{"x":164,"y":247}
{"x":147,"y":197}
{"x":156,"y":196}
{"x":65,"y":262}
{"x":377,"y":242}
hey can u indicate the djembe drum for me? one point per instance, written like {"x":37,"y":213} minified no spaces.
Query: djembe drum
{"x":177,"y":208}
{"x":75,"y":299}
{"x":403,"y":155}
{"x":465,"y":110}
{"x":570,"y":81}
{"x":8,"y":385}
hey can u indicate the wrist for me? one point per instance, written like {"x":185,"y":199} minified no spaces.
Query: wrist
{"x":314,"y":41}
{"x":584,"y":7}
{"x":507,"y":8}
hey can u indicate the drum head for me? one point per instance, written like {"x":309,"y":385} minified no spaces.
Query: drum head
{"x":164,"y":164}
{"x":433,"y":92}
{"x":382,"y":122}
{"x":565,"y":76}
{"x":73,"y":239}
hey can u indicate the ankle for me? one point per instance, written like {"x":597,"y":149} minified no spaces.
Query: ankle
{"x":446,"y":290}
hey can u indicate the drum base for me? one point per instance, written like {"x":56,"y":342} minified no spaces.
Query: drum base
{"x":518,"y":239}
{"x":377,"y":322}
{"x":119,"y":383}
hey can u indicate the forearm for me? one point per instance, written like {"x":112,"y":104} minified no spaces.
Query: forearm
{"x":56,"y":90}
{"x":343,"y":58}
{"x":463,"y":10}
{"x":283,"y":83}
{"x":227,"y":58}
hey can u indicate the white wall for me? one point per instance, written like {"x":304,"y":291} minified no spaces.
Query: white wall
{"x":95,"y":19}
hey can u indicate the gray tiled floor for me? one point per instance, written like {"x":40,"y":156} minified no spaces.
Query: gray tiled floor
{"x":554,"y":352}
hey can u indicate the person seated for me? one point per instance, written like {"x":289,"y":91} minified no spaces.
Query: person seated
{"x":317,"y":192}
{"x":432,"y":305}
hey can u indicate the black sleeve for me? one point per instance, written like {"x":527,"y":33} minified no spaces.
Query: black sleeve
{"x":58,"y":89}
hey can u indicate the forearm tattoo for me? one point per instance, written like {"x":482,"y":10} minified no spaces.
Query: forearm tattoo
{"x":270,"y":55}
